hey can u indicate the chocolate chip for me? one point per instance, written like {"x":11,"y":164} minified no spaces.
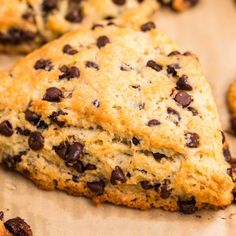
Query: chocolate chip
{"x":157,"y":186}
{"x":102,"y":41}
{"x":96,"y":103}
{"x":75,"y":151}
{"x":223,"y":137}
{"x":91,"y":64}
{"x":152,"y":64}
{"x":36,"y":141}
{"x":32,"y":117}
{"x":187,"y":206}
{"x":227,"y":154}
{"x":135,"y":141}
{"x":174,"y":53}
{"x":79,"y":166}
{"x":75,"y":16}
{"x":230,"y":172}
{"x":90,"y":167}
{"x":171,"y":69}
{"x":62,"y":149}
{"x":29,"y":16}
{"x":117,"y":175}
{"x":49,"y":5}
{"x":75,"y":178}
{"x":42,"y":125}
{"x":67,"y":49}
{"x":193,"y":110}
{"x":192,"y":140}
{"x":146,"y":185}
{"x":96,"y":26}
{"x":54,"y":117}
{"x":53,"y":94}
{"x":233,"y":124}
{"x":23,"y":131}
{"x":97,"y":187}
{"x":69,"y":72}
{"x":175,"y":113}
{"x":153,"y":122}
{"x":1,"y":215}
{"x":10,"y":162}
{"x":158,"y":155}
{"x":6,"y":128}
{"x":183,"y":99}
{"x":148,"y":26}
{"x":182,"y":84}
{"x":18,"y":227}
{"x":165,"y":191}
{"x":43,"y":64}
{"x":119,"y":2}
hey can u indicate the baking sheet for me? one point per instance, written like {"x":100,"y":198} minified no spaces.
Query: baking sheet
{"x":209,"y":30}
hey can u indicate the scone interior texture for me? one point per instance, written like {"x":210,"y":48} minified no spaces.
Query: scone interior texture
{"x":27,"y":24}
{"x":118,"y":115}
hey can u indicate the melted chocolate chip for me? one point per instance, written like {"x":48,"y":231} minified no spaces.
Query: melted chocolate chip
{"x":97,"y":187}
{"x":10,"y":162}
{"x":42,"y":125}
{"x":32,"y":117}
{"x":53,"y":94}
{"x":90,"y":167}
{"x":193,"y":110}
{"x":117,"y":175}
{"x":165,"y":191}
{"x":49,"y":5}
{"x":96,"y":103}
{"x":69,"y":72}
{"x":75,"y":178}
{"x":23,"y":131}
{"x":91,"y":64}
{"x":148,"y":26}
{"x":158,"y":155}
{"x":97,"y":26}
{"x":36,"y":141}
{"x":79,"y":166}
{"x":18,"y":227}
{"x":183,"y":99}
{"x":6,"y":128}
{"x":135,"y":141}
{"x":174,"y":53}
{"x":227,"y":154}
{"x":187,"y":206}
{"x":75,"y":16}
{"x":67,"y":49}
{"x":152,"y":64}
{"x":171,"y":69}
{"x":102,"y":41}
{"x":43,"y":64}
{"x":75,"y":151}
{"x":54,"y":117}
{"x":119,"y":2}
{"x":175,"y":113}
{"x":182,"y":84}
{"x":153,"y":122}
{"x":62,"y":149}
{"x":192,"y":140}
{"x":146,"y":185}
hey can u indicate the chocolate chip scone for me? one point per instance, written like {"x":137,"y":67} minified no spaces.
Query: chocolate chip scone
{"x":118,"y":115}
{"x":14,"y":227}
{"x":26,"y":24}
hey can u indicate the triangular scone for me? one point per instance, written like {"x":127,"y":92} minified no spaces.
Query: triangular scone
{"x":27,"y":24}
{"x":118,"y":115}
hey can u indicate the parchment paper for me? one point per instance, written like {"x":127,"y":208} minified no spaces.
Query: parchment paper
{"x":209,"y":30}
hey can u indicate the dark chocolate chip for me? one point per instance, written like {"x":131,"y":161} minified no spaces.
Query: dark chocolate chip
{"x":192,"y":140}
{"x":182,"y":84}
{"x":75,"y":16}
{"x":36,"y":141}
{"x":49,"y":5}
{"x":75,"y":151}
{"x":193,"y":110}
{"x":32,"y":117}
{"x":75,"y":178}
{"x":6,"y":128}
{"x":187,"y":206}
{"x":171,"y":69}
{"x":146,"y":185}
{"x":174,"y":53}
{"x":97,"y":187}
{"x":153,"y":122}
{"x":158,"y":155}
{"x":119,"y":2}
{"x":90,"y":167}
{"x":157,"y":187}
{"x":233,"y":124}
{"x":18,"y":227}
{"x":227,"y":154}
{"x":62,"y":149}
{"x":69,"y":72}
{"x":223,"y":137}
{"x":96,"y":103}
{"x":135,"y":141}
{"x":165,"y":191}
{"x":42,"y":125}
{"x":54,"y":117}
{"x":10,"y":162}
{"x":183,"y":99}
{"x":102,"y":41}
{"x":230,"y":172}
{"x":53,"y":94}
{"x":79,"y":166}
{"x":67,"y":49}
{"x":148,"y":26}
{"x":175,"y":113}
{"x":23,"y":131}
{"x":152,"y":64}
{"x":97,"y":26}
{"x":1,"y":215}
{"x":91,"y":64}
{"x":117,"y":175}
{"x":43,"y":64}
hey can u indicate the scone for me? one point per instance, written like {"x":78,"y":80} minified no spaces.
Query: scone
{"x":118,"y":115}
{"x":14,"y":227}
{"x":178,"y":5}
{"x":26,"y":24}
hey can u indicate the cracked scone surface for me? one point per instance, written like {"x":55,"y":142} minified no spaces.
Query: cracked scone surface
{"x":27,"y":24}
{"x":115,"y":114}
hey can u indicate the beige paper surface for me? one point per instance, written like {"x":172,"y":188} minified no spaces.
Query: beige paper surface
{"x":209,"y":30}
